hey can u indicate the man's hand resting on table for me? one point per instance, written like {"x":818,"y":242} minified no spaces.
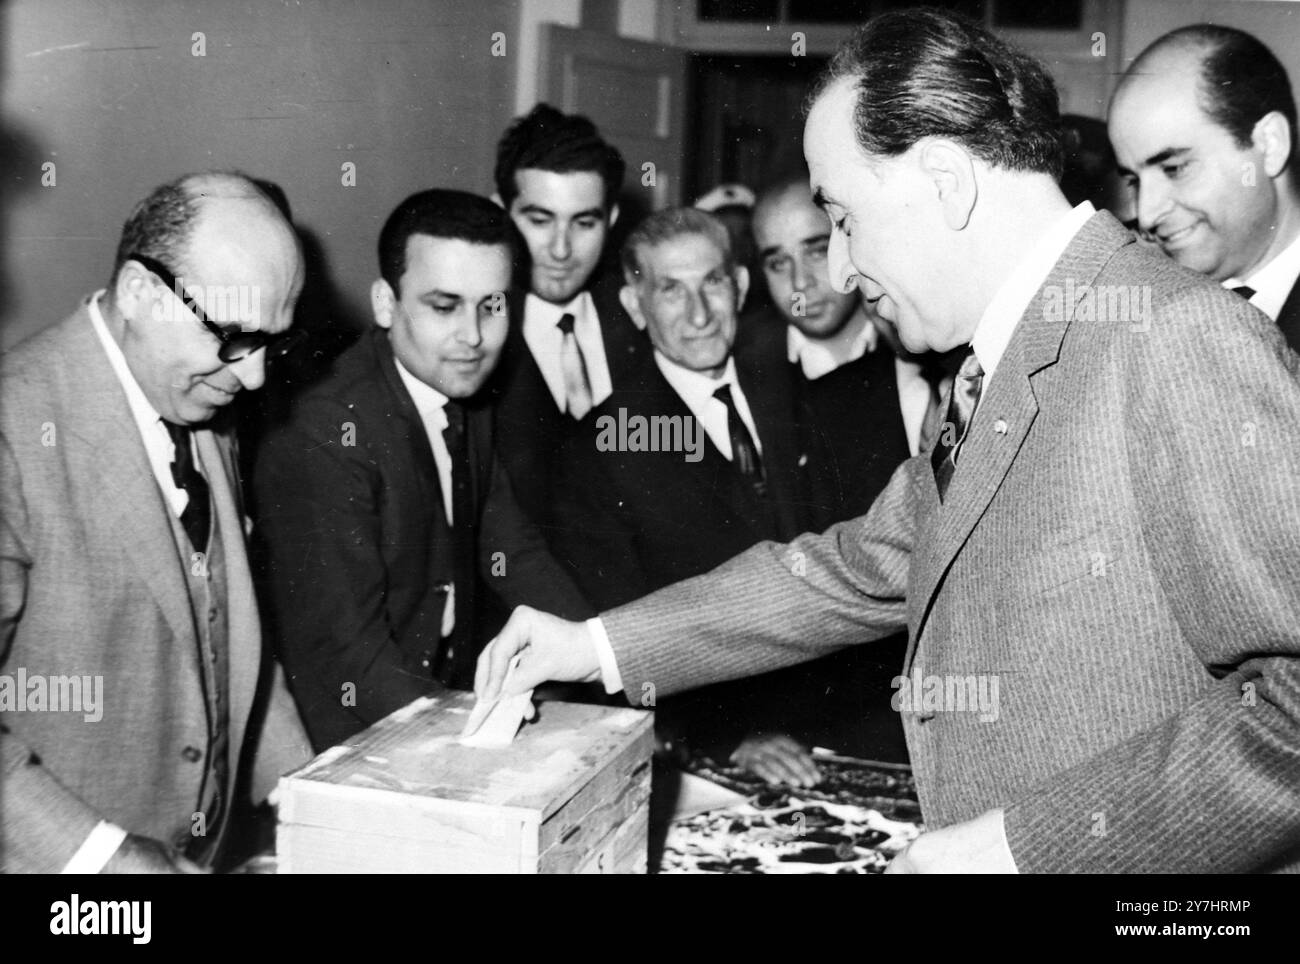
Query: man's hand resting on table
{"x":777,"y":758}
{"x":553,"y":649}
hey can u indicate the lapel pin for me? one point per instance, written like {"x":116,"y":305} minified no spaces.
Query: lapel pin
{"x":1000,"y":426}
{"x":803,"y":459}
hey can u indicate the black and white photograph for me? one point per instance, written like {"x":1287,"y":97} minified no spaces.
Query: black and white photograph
{"x":650,"y":437}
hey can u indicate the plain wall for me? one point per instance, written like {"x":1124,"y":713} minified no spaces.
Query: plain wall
{"x":111,"y":93}
{"x":1275,"y":22}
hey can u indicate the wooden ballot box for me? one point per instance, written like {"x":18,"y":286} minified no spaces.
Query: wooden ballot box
{"x":569,"y":795}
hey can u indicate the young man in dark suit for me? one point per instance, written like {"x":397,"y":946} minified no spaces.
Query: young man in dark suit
{"x":572,"y":343}
{"x":716,"y":468}
{"x":385,"y":515}
{"x":1204,"y":127}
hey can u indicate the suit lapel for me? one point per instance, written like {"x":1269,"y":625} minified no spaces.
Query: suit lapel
{"x":400,"y":404}
{"x":768,"y":389}
{"x":1288,"y":319}
{"x":128,"y":499}
{"x":243,"y":627}
{"x":1003,"y":419}
{"x":623,"y":340}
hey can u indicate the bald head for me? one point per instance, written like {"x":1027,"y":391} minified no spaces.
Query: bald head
{"x":1203,"y":126}
{"x":792,"y":236}
{"x":220,"y":242}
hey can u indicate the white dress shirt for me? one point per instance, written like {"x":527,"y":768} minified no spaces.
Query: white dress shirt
{"x":1274,"y":281}
{"x":696,"y":390}
{"x":430,"y":403}
{"x":158,"y":443}
{"x":998,"y":322}
{"x":544,"y":339}
{"x":817,"y":357}
{"x":992,"y":335}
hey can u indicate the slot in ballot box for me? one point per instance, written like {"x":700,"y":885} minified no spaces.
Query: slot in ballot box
{"x":569,"y":795}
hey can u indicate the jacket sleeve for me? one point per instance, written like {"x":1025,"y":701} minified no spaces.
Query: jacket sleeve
{"x":773,"y":605}
{"x":1212,"y":414}
{"x":42,"y":823}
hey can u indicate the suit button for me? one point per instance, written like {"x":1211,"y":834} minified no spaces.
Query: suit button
{"x":212,"y":614}
{"x":426,"y":659}
{"x":192,"y":754}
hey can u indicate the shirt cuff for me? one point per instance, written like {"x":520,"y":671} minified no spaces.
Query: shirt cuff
{"x":609,"y":673}
{"x":96,"y":850}
{"x":1006,"y":844}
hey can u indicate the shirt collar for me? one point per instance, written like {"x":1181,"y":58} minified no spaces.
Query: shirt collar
{"x":145,"y":415}
{"x":695,"y":388}
{"x":546,"y":314}
{"x":998,"y":322}
{"x":1274,"y":281}
{"x":819,"y":357}
{"x":426,"y":397}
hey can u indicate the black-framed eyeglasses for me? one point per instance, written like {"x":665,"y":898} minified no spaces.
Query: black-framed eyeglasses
{"x":236,"y":344}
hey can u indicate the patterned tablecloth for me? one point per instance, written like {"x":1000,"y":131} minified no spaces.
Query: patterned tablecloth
{"x":852,"y":822}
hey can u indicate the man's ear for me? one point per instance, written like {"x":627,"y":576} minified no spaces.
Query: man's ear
{"x":383,"y":304}
{"x":741,"y":274}
{"x":1271,"y":136}
{"x":632,"y":305}
{"x":947,"y":166}
{"x":132,"y":290}
{"x":613,"y":214}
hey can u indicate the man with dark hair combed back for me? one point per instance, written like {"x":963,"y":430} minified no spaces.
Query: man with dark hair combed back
{"x":928,"y":75}
{"x":1204,"y":127}
{"x":572,"y":343}
{"x":385,"y":516}
{"x":1096,"y":562}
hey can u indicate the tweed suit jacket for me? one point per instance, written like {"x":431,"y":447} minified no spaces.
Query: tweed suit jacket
{"x":1118,"y":549}
{"x":92,"y":584}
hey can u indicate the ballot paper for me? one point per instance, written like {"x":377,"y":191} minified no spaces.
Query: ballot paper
{"x":494,"y":723}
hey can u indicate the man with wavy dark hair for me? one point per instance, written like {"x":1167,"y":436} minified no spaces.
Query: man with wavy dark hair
{"x":1096,"y":562}
{"x":1204,"y":124}
{"x":572,"y":343}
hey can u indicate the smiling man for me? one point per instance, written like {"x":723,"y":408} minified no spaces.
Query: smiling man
{"x":122,"y":555}
{"x":573,"y":343}
{"x":385,"y":514}
{"x":1097,"y":531}
{"x":1204,"y":127}
{"x":632,"y":521}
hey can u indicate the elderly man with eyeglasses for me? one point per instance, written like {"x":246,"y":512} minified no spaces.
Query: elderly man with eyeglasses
{"x":139,"y":720}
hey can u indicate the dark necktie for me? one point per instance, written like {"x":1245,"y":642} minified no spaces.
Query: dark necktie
{"x":934,"y":374}
{"x":197,"y":516}
{"x":577,"y":386}
{"x":1246,"y":291}
{"x":963,"y":398}
{"x":744,"y":453}
{"x":462,"y":532}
